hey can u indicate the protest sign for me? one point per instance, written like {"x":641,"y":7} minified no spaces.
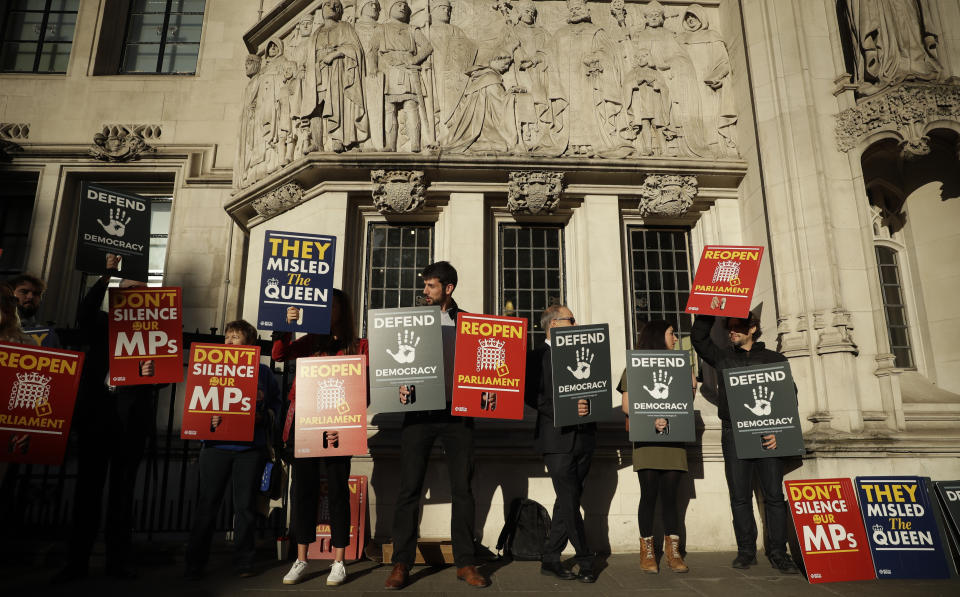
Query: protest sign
{"x":146,"y":330}
{"x":44,"y":335}
{"x":488,"y":370}
{"x":580,"y":363}
{"x":406,"y":350}
{"x":331,"y":397}
{"x":113,"y":222}
{"x":297,"y":272}
{"x":39,"y":388}
{"x":901,"y":527}
{"x":660,"y":389}
{"x":221,"y":383}
{"x":727,"y":274}
{"x":949,"y":495}
{"x":322,"y":548}
{"x":830,"y":530}
{"x":763,"y":401}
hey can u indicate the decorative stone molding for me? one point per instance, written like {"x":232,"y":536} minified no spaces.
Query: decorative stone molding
{"x":123,"y":142}
{"x":397,"y":191}
{"x":6,"y":148}
{"x":14,"y":130}
{"x":278,"y":200}
{"x":793,"y":335}
{"x":533,"y":191}
{"x":835,"y":334}
{"x":667,"y":194}
{"x":904,"y":110}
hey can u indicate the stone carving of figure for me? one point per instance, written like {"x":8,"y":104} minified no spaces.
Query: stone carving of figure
{"x":278,"y":78}
{"x":397,"y":51}
{"x":484,"y":120}
{"x":251,"y":149}
{"x":712,"y":63}
{"x":299,"y":50}
{"x":892,"y":43}
{"x":686,"y":131}
{"x":588,"y":70}
{"x":338,"y":71}
{"x":368,"y":13}
{"x":446,"y":70}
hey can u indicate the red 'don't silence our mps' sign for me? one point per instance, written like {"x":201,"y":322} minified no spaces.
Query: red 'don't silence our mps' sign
{"x":725,"y":281}
{"x":221,"y":382}
{"x":331,"y":397}
{"x":38,"y":388}
{"x":146,"y":329}
{"x":830,"y":530}
{"x":489,"y":366}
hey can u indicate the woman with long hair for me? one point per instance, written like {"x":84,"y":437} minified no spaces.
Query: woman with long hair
{"x":10,"y":329}
{"x":659,"y":467}
{"x":305,"y":490}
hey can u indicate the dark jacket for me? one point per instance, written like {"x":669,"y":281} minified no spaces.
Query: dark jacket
{"x":538,"y":394}
{"x":728,"y":357}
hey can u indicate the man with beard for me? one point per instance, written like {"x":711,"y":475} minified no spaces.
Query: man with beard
{"x":29,"y":291}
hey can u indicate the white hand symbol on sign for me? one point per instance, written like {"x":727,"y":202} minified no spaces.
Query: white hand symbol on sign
{"x":117,"y":225}
{"x":584,"y":358}
{"x":661,"y":385}
{"x":406,"y":347}
{"x":761,"y":398}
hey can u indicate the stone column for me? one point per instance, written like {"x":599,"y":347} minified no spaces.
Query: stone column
{"x":460,"y":240}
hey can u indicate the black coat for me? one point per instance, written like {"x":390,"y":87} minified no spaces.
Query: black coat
{"x":538,"y":394}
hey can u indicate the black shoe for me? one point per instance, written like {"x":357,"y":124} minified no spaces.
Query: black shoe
{"x":246,"y":572}
{"x":783,"y":563}
{"x":587,"y":575}
{"x":69,"y":573}
{"x":556,"y":569}
{"x":744,"y":560}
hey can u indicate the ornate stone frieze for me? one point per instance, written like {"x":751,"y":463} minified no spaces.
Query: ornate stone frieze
{"x":904,"y":110}
{"x":397,"y":191}
{"x":534,"y":192}
{"x":835,"y":332}
{"x":667,"y":194}
{"x":123,"y":142}
{"x":793,"y":335}
{"x":278,"y":200}
{"x":14,"y":130}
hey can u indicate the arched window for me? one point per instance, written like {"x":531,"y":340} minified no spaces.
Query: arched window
{"x":894,"y":307}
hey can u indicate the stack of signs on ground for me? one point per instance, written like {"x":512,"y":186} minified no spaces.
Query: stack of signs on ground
{"x":902,"y":528}
{"x":146,"y":331}
{"x":113,"y":222}
{"x":297,"y":272}
{"x":221,"y":398}
{"x":580,"y":362}
{"x":39,"y":388}
{"x":660,"y":388}
{"x":763,"y":401}
{"x":489,"y":366}
{"x":725,"y":281}
{"x":949,"y":494}
{"x":331,"y":409}
{"x":406,"y":353}
{"x":830,"y":530}
{"x":322,"y":548}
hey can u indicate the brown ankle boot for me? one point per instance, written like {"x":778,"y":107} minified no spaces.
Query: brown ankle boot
{"x":648,"y":560}
{"x":671,"y":551}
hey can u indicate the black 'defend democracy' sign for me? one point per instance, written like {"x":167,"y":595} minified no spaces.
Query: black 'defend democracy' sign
{"x":406,"y":349}
{"x":580,"y":362}
{"x":660,"y":392}
{"x":113,"y":222}
{"x":763,"y":401}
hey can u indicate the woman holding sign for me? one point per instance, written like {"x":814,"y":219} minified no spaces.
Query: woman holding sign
{"x":659,"y":467}
{"x":307,"y":472}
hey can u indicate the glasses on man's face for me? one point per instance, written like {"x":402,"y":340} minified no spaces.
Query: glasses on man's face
{"x":572,"y":320}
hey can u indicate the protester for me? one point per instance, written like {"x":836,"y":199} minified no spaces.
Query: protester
{"x":29,"y":291}
{"x":567,"y":452}
{"x":307,"y":472}
{"x":659,"y":467}
{"x":241,"y":462}
{"x":113,"y":424}
{"x":745,"y":350}
{"x":10,"y":331}
{"x":419,"y":432}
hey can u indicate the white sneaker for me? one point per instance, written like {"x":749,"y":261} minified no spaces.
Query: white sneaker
{"x":338,"y":574}
{"x":296,"y":574}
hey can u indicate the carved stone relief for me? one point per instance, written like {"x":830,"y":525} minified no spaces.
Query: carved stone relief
{"x":534,"y":192}
{"x":123,"y":142}
{"x":544,"y":79}
{"x":278,"y":200}
{"x":9,"y":132}
{"x":835,"y":332}
{"x":667,"y":194}
{"x":397,"y":191}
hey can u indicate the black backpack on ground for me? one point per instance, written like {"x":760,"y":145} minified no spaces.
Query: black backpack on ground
{"x":525,"y":531}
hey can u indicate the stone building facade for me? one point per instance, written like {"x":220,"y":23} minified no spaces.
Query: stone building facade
{"x":576,"y":152}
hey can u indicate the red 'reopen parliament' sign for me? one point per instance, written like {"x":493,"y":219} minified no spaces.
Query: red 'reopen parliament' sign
{"x":489,"y":366}
{"x":725,"y":281}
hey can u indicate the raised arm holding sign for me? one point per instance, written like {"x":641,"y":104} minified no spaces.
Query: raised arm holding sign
{"x":113,"y":222}
{"x":725,"y":281}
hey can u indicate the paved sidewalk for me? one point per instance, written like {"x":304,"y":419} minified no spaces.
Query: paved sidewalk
{"x":710,"y":576}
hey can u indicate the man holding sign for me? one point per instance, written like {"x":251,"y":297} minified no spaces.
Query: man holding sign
{"x":745,"y":350}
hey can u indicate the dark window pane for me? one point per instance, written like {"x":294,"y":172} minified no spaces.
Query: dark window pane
{"x":903,"y":357}
{"x":394,"y":262}
{"x":188,"y":5}
{"x":180,"y":58}
{"x":18,"y":57}
{"x":23,"y":26}
{"x":531,"y":264}
{"x":60,"y":27}
{"x":54,"y":58}
{"x":141,"y":58}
